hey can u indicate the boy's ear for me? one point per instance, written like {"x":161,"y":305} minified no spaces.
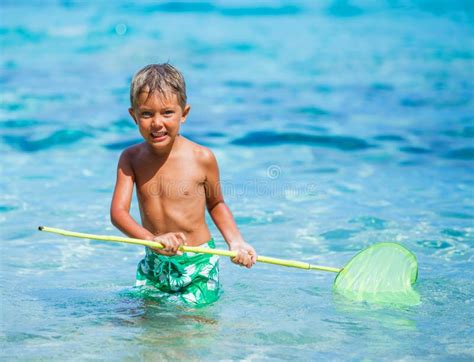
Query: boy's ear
{"x":132,"y":113}
{"x":185,"y":113}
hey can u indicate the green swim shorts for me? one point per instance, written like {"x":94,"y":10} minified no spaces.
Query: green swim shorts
{"x":191,"y":277}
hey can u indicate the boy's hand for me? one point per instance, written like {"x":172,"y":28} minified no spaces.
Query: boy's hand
{"x":171,"y":243}
{"x":246,"y":255}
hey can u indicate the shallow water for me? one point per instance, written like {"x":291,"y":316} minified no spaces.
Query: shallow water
{"x":336,"y":125}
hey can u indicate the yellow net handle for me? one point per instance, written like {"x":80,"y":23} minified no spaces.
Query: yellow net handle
{"x":192,"y":249}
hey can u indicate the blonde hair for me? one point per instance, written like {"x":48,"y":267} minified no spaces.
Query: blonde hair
{"x":162,"y":78}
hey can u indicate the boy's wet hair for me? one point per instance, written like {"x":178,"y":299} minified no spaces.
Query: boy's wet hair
{"x":162,"y":78}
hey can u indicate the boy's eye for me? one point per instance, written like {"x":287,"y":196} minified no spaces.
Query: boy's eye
{"x":169,"y":111}
{"x":146,"y":114}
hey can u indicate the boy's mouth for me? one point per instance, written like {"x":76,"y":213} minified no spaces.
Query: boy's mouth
{"x":158,"y":135}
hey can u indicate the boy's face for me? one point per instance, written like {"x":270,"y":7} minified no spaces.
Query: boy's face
{"x":158,"y":118}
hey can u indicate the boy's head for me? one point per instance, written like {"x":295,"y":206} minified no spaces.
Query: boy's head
{"x":161,"y":78}
{"x":158,"y":104}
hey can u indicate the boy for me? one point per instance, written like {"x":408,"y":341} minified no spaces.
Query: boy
{"x":176,"y":181}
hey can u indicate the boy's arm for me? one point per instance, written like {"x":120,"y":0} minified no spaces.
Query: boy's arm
{"x":120,"y":212}
{"x":120,"y":208}
{"x":222,"y":216}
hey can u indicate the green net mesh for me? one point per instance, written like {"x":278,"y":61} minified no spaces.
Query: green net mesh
{"x":382,"y":273}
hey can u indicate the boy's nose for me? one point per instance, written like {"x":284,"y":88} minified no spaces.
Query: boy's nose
{"x":156,"y":122}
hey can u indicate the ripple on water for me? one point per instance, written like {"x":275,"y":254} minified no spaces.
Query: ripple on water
{"x":454,"y":233}
{"x":90,"y":49}
{"x":411,"y":163}
{"x":323,"y":88}
{"x":21,"y":123}
{"x":265,"y":138}
{"x":207,"y":8}
{"x":456,"y":215}
{"x":329,"y":170}
{"x":20,"y":34}
{"x":434,"y":244}
{"x":7,"y":208}
{"x":467,"y":132}
{"x":338,"y":234}
{"x":414,"y":102}
{"x":342,"y":9}
{"x":120,"y":145}
{"x":415,"y":150}
{"x":312,"y":111}
{"x":123,"y":124}
{"x":381,"y":87}
{"x":369,"y":222}
{"x":173,"y":7}
{"x":8,"y":106}
{"x":466,"y":153}
{"x":284,"y":10}
{"x":215,"y":134}
{"x":262,"y":219}
{"x":238,"y":84}
{"x":56,"y":139}
{"x":389,"y":137}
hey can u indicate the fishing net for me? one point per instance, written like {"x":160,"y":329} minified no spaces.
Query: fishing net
{"x":382,"y":273}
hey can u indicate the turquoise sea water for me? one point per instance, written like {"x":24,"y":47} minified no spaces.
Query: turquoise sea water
{"x":337,"y":124}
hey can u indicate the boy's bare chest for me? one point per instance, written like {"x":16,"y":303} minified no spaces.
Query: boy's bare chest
{"x":169,"y":181}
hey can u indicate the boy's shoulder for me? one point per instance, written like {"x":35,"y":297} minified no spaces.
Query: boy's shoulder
{"x":132,"y":151}
{"x":189,"y":150}
{"x":201,"y":153}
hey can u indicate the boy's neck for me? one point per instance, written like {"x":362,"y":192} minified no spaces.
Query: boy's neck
{"x":166,"y":152}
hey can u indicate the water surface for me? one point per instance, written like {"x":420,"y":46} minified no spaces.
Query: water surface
{"x":336,"y":125}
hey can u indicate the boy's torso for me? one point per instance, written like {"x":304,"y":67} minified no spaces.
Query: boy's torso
{"x":171,"y":191}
